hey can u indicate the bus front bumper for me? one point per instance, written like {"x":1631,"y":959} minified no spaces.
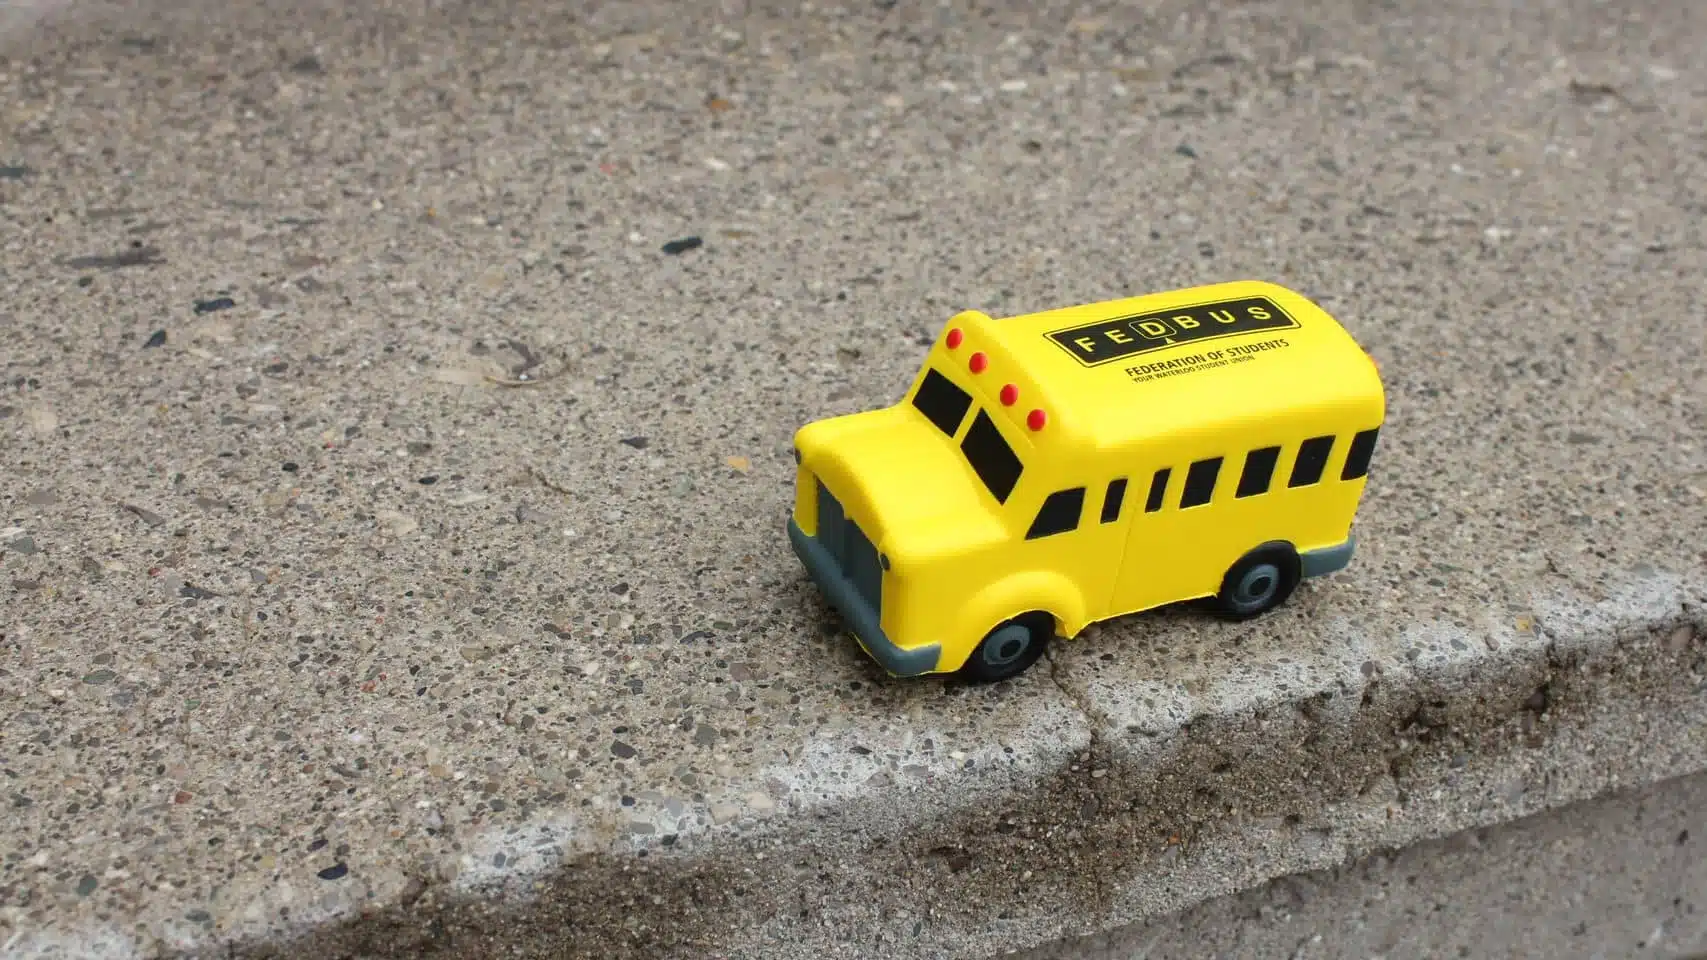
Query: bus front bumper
{"x":898,"y":661}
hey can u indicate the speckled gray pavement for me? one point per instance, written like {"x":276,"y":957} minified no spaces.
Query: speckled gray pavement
{"x":393,"y":560}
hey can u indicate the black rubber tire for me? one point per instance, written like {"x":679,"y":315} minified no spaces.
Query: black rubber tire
{"x":1262,"y":580}
{"x":1010,"y":649}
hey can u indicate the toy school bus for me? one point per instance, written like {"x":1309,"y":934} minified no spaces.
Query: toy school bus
{"x":1048,"y":471}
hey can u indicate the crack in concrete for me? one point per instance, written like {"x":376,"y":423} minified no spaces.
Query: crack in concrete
{"x":1098,"y":751}
{"x":1092,"y":717}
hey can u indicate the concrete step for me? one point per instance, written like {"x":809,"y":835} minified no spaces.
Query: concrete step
{"x":1620,"y":875}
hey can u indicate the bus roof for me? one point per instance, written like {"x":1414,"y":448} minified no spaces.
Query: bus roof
{"x":1120,"y":371}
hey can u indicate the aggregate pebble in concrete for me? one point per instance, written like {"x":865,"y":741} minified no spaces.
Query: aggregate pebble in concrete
{"x":393,"y":492}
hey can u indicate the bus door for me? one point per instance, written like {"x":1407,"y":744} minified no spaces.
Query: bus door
{"x":1081,"y":531}
{"x":1176,"y":546}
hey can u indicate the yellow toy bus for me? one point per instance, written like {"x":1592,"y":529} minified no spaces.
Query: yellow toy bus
{"x":1047,"y":471}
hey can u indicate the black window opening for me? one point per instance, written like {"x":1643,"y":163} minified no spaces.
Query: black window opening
{"x":1158,"y":490}
{"x":1059,"y":513}
{"x":1259,"y":470}
{"x":1200,"y":482}
{"x":1112,"y":499}
{"x":1357,"y":458}
{"x":942,"y":403}
{"x":1312,"y":460}
{"x":991,"y":458}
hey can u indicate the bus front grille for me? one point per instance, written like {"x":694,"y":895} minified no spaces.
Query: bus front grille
{"x":853,"y":551}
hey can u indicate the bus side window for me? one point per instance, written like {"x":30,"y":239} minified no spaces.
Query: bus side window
{"x":1200,"y":482}
{"x":1357,"y":458}
{"x":1112,"y":500}
{"x":1158,"y":490}
{"x":1059,"y":513}
{"x":1259,"y":470}
{"x":1312,"y":459}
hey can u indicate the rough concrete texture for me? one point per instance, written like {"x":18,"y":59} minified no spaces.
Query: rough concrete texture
{"x":1622,"y":875}
{"x":393,"y":550}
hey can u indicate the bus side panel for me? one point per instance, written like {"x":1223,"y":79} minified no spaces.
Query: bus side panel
{"x":1178,"y":553}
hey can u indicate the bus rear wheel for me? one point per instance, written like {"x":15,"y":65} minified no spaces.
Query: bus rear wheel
{"x":1262,"y":580}
{"x":1010,"y":649}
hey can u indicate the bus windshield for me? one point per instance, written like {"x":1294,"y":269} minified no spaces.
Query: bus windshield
{"x":945,"y":405}
{"x":992,"y":459}
{"x":942,"y":403}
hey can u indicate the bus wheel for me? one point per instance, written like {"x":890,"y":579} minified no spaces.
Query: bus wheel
{"x":1010,"y":649}
{"x":1259,"y":582}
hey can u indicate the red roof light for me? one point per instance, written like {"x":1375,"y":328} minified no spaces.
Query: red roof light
{"x":1035,"y":419}
{"x":954,"y":338}
{"x":1010,"y":393}
{"x":979,"y":362}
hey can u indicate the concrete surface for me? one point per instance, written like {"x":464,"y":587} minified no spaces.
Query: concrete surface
{"x":1622,"y":875}
{"x":320,"y":638}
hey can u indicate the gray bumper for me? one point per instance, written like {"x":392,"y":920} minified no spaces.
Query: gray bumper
{"x":861,"y":618}
{"x":1320,"y":563}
